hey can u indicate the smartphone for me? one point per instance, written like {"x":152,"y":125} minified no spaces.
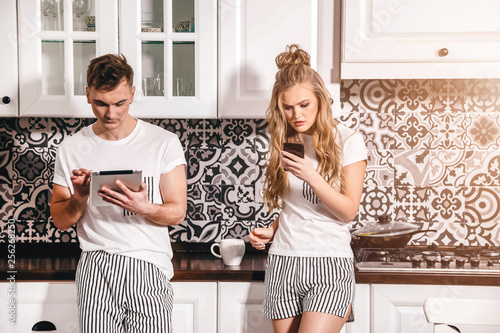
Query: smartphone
{"x":294,"y":148}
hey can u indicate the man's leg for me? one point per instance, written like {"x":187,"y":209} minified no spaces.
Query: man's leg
{"x":149,"y":299}
{"x":98,"y":278}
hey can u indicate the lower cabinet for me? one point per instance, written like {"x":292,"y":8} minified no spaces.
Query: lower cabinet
{"x":398,"y":308}
{"x":234,"y":307}
{"x":195,"y":306}
{"x":33,"y":302}
{"x":240,"y":309}
{"x":361,"y":310}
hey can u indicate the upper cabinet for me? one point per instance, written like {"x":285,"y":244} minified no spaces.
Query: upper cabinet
{"x":57,"y":40}
{"x":170,"y":44}
{"x":8,"y":60}
{"x":420,"y":39}
{"x":253,"y":32}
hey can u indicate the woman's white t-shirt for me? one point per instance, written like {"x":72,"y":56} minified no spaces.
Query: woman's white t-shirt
{"x":149,"y":148}
{"x":306,"y":227}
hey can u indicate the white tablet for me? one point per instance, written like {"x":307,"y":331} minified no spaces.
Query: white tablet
{"x":131,"y":178}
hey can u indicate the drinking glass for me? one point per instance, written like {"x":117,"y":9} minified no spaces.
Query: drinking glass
{"x":54,"y":9}
{"x":180,"y":85}
{"x":45,"y":7}
{"x":148,"y":86}
{"x":80,"y":7}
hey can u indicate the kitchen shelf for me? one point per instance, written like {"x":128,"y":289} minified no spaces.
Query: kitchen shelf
{"x":162,"y":42}
{"x":75,"y":42}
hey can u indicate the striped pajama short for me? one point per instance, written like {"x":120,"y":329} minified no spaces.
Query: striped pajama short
{"x":120,"y":294}
{"x":298,"y":284}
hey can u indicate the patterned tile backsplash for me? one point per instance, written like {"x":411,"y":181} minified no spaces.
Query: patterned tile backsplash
{"x":434,"y":160}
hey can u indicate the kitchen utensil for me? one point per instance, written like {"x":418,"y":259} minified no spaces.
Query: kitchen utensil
{"x":385,"y":234}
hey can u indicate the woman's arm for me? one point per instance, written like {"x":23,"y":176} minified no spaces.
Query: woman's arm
{"x":344,"y":205}
{"x":259,"y":237}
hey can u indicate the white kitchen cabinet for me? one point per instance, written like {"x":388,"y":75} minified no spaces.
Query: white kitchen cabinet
{"x":39,"y":301}
{"x":253,"y":32}
{"x":195,"y":307}
{"x":361,"y":311}
{"x":240,"y":308}
{"x":171,"y":45}
{"x":182,"y":62}
{"x":399,"y":308}
{"x":420,"y":39}
{"x":8,"y":60}
{"x":54,"y":53}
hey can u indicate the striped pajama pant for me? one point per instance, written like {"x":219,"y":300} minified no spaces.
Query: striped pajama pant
{"x":120,"y":294}
{"x":295,"y":285}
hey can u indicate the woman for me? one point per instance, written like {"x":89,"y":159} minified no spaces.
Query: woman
{"x":310,"y":274}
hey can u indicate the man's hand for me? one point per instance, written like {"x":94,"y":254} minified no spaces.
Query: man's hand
{"x":173,"y":190}
{"x":134,"y":202}
{"x":66,"y":208}
{"x":81,"y":183}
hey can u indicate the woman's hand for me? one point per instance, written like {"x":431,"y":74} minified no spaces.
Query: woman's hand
{"x":301,"y":168}
{"x":259,"y":237}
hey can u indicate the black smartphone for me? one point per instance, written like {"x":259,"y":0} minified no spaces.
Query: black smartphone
{"x":294,"y":148}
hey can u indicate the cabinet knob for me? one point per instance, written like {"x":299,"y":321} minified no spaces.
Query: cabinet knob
{"x":443,"y":52}
{"x":43,"y":326}
{"x":6,"y":100}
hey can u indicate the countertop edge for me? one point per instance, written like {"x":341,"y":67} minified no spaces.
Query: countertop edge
{"x":258,"y":276}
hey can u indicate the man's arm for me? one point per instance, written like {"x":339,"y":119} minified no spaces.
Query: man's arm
{"x":173,"y":189}
{"x":66,"y":209}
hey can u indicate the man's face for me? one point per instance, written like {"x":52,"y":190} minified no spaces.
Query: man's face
{"x":111,"y":107}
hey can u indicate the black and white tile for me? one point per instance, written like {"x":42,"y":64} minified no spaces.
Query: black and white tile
{"x":433,"y":159}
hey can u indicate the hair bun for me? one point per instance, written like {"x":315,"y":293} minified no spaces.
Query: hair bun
{"x":293,"y":55}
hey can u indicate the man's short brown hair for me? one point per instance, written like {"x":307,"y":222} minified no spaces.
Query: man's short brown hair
{"x":108,"y":71}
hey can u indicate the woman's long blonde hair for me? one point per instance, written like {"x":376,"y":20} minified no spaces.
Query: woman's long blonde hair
{"x":294,"y":68}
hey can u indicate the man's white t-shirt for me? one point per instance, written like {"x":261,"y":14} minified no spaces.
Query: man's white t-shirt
{"x":149,"y":148}
{"x":306,"y":227}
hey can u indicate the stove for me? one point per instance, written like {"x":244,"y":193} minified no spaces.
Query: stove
{"x":430,"y":259}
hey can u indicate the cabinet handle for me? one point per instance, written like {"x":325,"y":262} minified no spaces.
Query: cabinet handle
{"x":43,"y":326}
{"x":6,"y":100}
{"x":443,"y":52}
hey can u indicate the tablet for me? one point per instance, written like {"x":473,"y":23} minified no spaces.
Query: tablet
{"x":131,"y":178}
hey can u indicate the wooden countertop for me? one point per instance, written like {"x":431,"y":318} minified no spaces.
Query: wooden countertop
{"x":202,"y":266}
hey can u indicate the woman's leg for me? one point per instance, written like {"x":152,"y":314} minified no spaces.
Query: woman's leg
{"x":287,"y":325}
{"x":318,"y":322}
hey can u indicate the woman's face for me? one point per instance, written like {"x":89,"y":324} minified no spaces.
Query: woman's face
{"x":301,"y":107}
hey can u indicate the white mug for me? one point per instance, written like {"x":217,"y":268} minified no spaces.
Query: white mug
{"x":231,"y":251}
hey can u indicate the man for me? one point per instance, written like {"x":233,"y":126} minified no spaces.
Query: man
{"x":124,"y":271}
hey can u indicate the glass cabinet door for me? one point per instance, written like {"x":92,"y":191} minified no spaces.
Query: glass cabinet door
{"x":57,"y":39}
{"x":172,"y":47}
